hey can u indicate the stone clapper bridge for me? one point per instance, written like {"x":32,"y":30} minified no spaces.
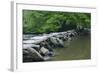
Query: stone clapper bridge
{"x":40,"y":48}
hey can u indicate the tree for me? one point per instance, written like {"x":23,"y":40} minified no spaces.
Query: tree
{"x":50,"y":21}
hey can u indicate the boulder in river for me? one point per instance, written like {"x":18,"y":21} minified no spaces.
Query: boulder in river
{"x":46,"y":44}
{"x":53,"y":40}
{"x":40,"y":47}
{"x":43,"y":51}
{"x":61,"y":43}
{"x":34,"y":55}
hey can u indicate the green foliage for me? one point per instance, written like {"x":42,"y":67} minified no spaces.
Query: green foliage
{"x":49,"y":21}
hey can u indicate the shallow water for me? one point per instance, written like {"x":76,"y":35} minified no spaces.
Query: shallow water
{"x":78,"y":49}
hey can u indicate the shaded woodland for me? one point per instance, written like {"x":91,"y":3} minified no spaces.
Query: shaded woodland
{"x":50,"y":21}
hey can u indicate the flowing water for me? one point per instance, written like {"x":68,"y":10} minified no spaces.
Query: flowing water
{"x":77,"y":49}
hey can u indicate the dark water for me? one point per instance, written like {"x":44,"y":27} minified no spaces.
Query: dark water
{"x":77,"y":49}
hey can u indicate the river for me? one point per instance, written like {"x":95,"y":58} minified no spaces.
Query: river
{"x":78,"y":49}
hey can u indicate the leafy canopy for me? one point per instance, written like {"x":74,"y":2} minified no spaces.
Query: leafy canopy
{"x":50,"y":21}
